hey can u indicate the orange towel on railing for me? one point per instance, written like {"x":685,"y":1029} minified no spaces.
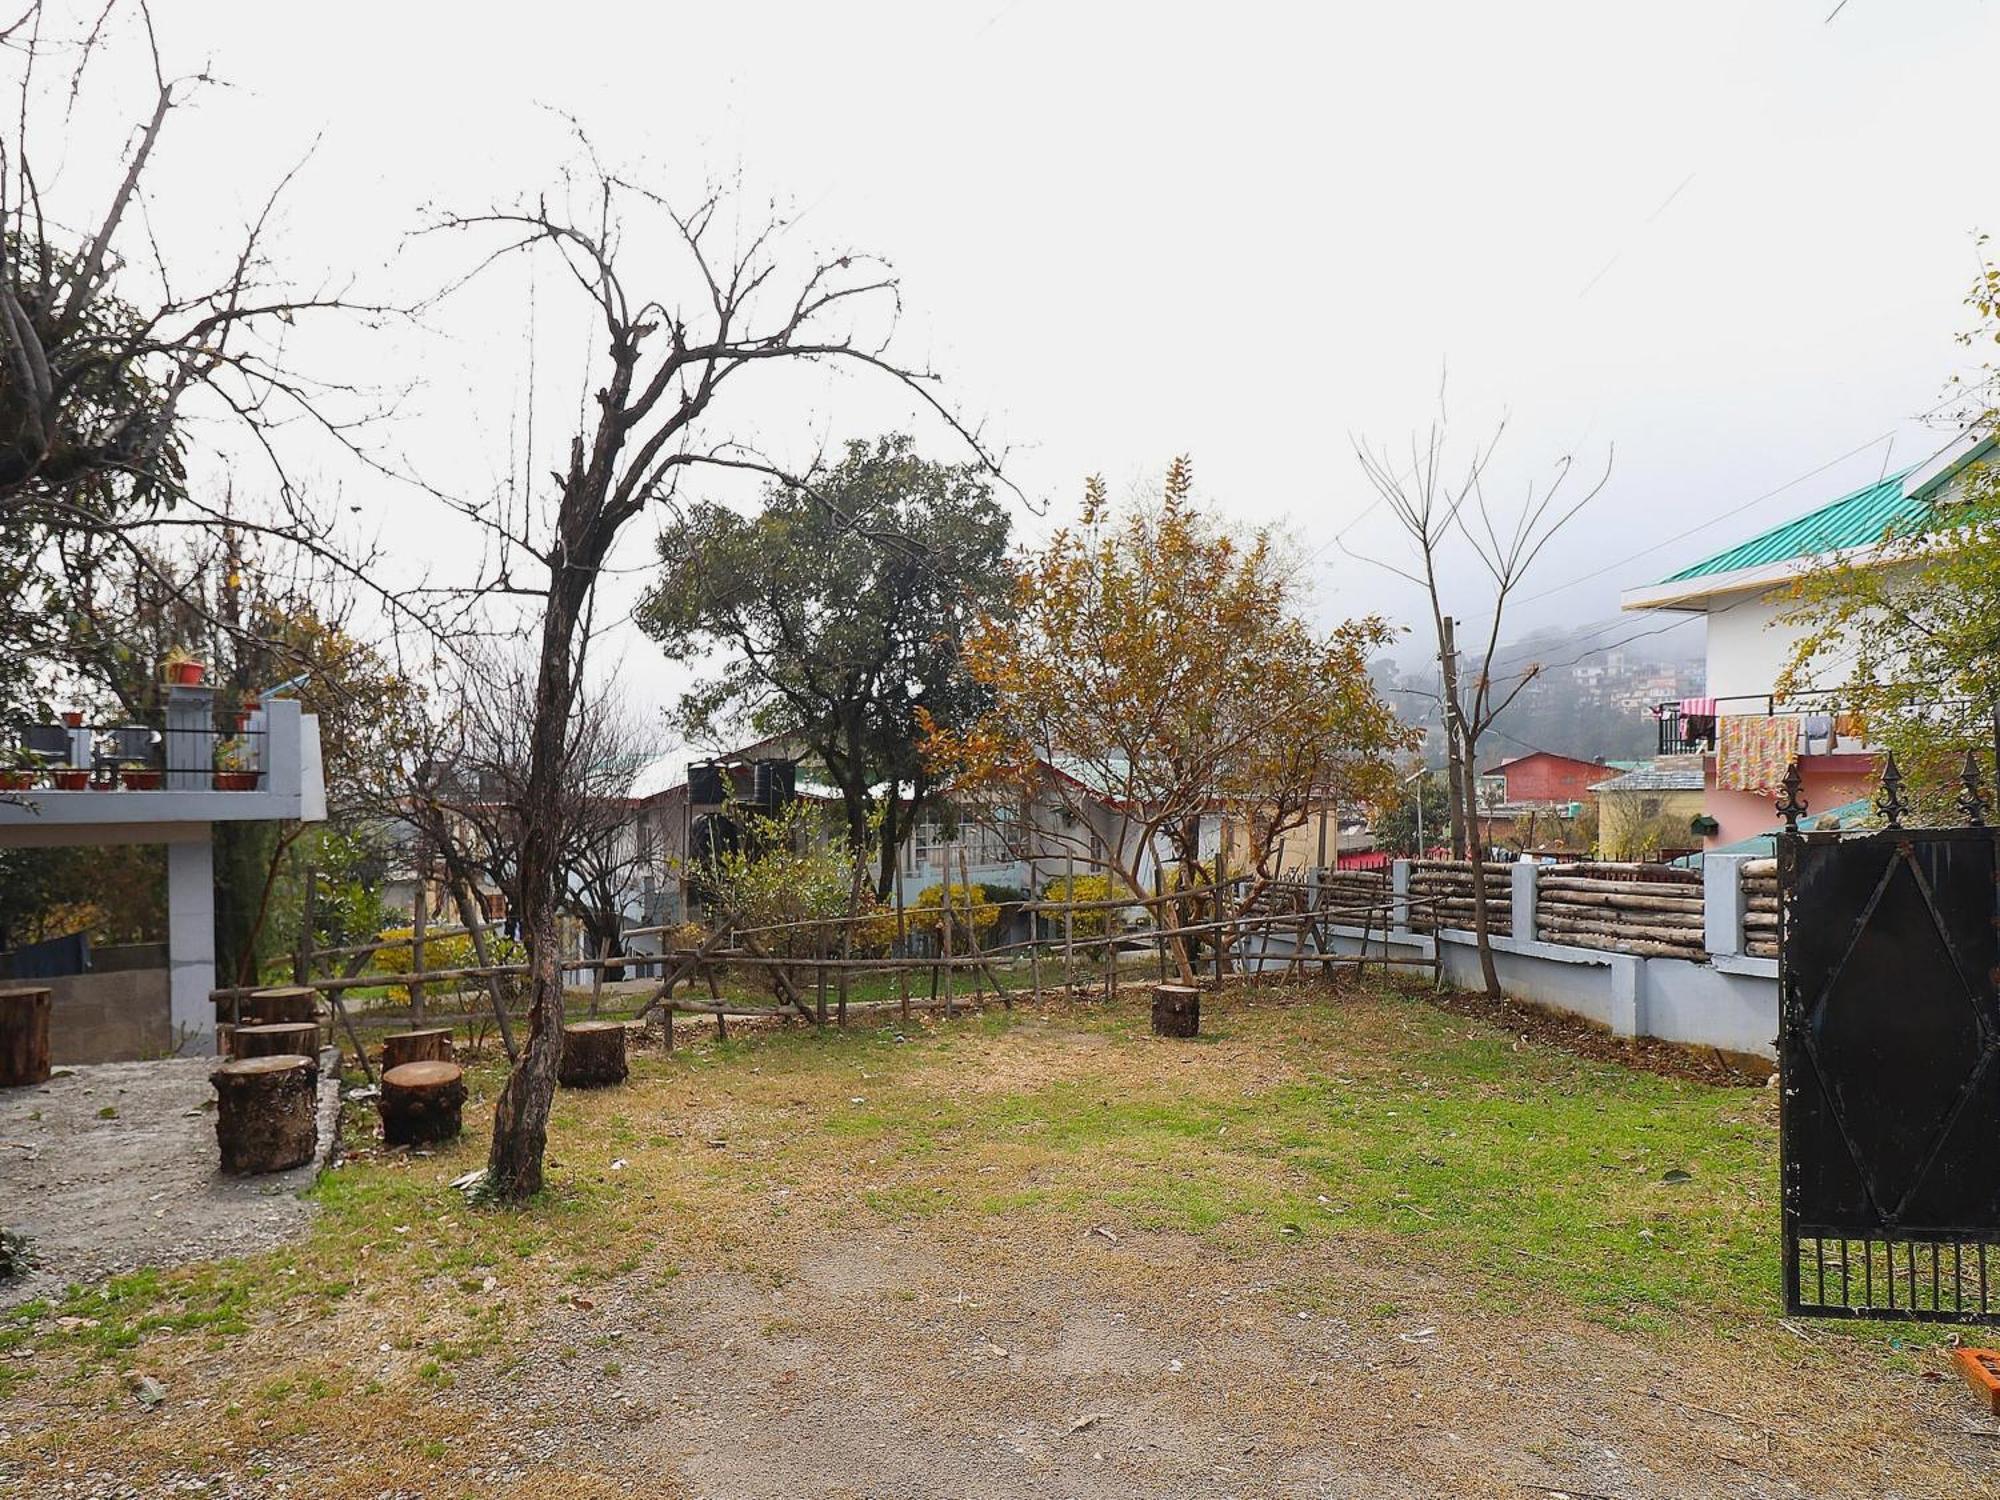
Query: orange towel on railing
{"x":1753,"y":750}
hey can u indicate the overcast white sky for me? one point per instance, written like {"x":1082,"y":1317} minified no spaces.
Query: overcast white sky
{"x":1731,"y":240}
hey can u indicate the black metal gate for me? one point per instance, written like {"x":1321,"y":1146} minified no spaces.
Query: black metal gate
{"x":1889,"y":1061}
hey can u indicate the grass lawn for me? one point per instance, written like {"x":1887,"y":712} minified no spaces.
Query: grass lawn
{"x":1359,"y":1161}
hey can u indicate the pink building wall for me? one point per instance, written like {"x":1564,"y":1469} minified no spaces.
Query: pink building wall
{"x":1830,"y":781}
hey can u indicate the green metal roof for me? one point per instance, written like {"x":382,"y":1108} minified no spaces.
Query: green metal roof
{"x":1854,"y":520}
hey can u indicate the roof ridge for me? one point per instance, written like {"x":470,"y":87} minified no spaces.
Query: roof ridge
{"x":1887,"y":489}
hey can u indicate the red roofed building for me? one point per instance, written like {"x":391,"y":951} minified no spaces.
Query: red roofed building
{"x":1541,"y":778}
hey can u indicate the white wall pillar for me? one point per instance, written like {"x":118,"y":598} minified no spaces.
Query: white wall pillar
{"x":1628,"y":994}
{"x":1399,"y":895}
{"x":1722,"y":902}
{"x":1525,"y":873}
{"x":191,"y":943}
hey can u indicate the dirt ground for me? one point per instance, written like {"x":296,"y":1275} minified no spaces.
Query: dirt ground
{"x":112,"y":1167}
{"x":772,"y":1335}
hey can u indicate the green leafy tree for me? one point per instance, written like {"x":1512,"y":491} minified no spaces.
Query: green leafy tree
{"x":841,"y":609}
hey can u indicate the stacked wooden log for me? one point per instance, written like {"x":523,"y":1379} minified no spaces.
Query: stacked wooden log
{"x":283,"y":1038}
{"x":24,"y":1036}
{"x":1441,"y":896}
{"x":1176,"y":1010}
{"x":593,"y":1055}
{"x":1652,"y":910}
{"x":433,"y":1045}
{"x":1760,"y":907}
{"x":266,"y":1112}
{"x":422,"y":1102}
{"x":282,"y":1005}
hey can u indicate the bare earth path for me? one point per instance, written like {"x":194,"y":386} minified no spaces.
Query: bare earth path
{"x":1040,"y":1257}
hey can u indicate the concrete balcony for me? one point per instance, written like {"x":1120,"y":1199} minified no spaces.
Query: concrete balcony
{"x":277,"y":753}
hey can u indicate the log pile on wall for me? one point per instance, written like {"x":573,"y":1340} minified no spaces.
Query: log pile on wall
{"x":1652,"y":910}
{"x":1441,"y":896}
{"x":1760,"y":907}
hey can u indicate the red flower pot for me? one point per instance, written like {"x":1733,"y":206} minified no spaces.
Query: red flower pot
{"x":70,"y":779}
{"x":73,"y":719}
{"x":141,"y":781}
{"x":236,"y":781}
{"x":186,"y":673}
{"x":16,"y":781}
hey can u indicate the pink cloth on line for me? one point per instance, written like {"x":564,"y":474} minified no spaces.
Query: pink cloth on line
{"x":1697,"y":708}
{"x":1754,"y":750}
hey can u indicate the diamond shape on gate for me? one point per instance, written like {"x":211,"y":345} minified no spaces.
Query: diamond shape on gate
{"x":1895,"y":1007}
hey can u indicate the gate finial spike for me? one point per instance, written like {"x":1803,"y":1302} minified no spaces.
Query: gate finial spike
{"x":1970,"y":802}
{"x":1890,"y":804}
{"x":1791,"y":806}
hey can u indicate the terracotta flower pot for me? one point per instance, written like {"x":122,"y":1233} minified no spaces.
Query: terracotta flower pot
{"x":140,"y":781}
{"x":16,"y":781}
{"x":70,"y":779}
{"x":236,"y":781}
{"x":73,"y":720}
{"x":186,"y":673}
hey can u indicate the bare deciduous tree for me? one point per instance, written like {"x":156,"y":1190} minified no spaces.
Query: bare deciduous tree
{"x":1433,"y":502}
{"x":664,"y":360}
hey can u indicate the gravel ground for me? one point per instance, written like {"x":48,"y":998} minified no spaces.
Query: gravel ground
{"x":112,"y":1167}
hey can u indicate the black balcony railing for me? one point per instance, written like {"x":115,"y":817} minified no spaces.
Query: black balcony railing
{"x":227,"y":754}
{"x":1685,"y":733}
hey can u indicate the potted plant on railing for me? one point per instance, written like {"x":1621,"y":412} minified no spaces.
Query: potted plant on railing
{"x":183,"y":669}
{"x":139,"y":778}
{"x":18,"y":775}
{"x":233,"y":769}
{"x":70,"y":778}
{"x":250,"y":706}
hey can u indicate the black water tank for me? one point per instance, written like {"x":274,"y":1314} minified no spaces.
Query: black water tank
{"x":773,"y":783}
{"x":708,"y":784}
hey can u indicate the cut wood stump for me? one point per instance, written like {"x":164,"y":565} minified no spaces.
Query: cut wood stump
{"x":287,"y":1003}
{"x":593,"y":1055}
{"x":286,"y":1039}
{"x":266,"y":1112}
{"x":421,"y":1102}
{"x":1176,"y":1010}
{"x":416,"y":1046}
{"x":24,"y":1037}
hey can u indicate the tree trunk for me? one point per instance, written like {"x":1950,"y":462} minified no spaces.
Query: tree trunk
{"x":1176,"y":1010}
{"x":284,"y":1039}
{"x":1488,"y":973}
{"x":521,"y":1114}
{"x":422,"y":1102}
{"x":24,"y":1037}
{"x":593,"y":1054}
{"x":266,"y":1113}
{"x":402,"y":1047}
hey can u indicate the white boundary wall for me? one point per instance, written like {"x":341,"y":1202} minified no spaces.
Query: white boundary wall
{"x":1731,"y":1001}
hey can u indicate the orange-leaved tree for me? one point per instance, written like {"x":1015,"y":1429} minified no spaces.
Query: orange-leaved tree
{"x":1156,"y":678}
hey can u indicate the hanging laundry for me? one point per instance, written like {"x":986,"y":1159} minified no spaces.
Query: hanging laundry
{"x":1753,"y":751}
{"x":1698,"y":721}
{"x":1819,"y":734}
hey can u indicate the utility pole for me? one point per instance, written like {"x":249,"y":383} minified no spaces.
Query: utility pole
{"x":1448,"y":663}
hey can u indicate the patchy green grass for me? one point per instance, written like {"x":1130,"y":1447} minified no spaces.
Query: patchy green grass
{"x":1373,"y":1124}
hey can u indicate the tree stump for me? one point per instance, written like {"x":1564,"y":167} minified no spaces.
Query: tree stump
{"x":421,"y":1102}
{"x":416,"y":1046}
{"x":593,"y":1055}
{"x":288,"y":1003}
{"x":1176,"y":1010}
{"x":287,"y":1039}
{"x":266,"y":1112}
{"x":24,"y":1037}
